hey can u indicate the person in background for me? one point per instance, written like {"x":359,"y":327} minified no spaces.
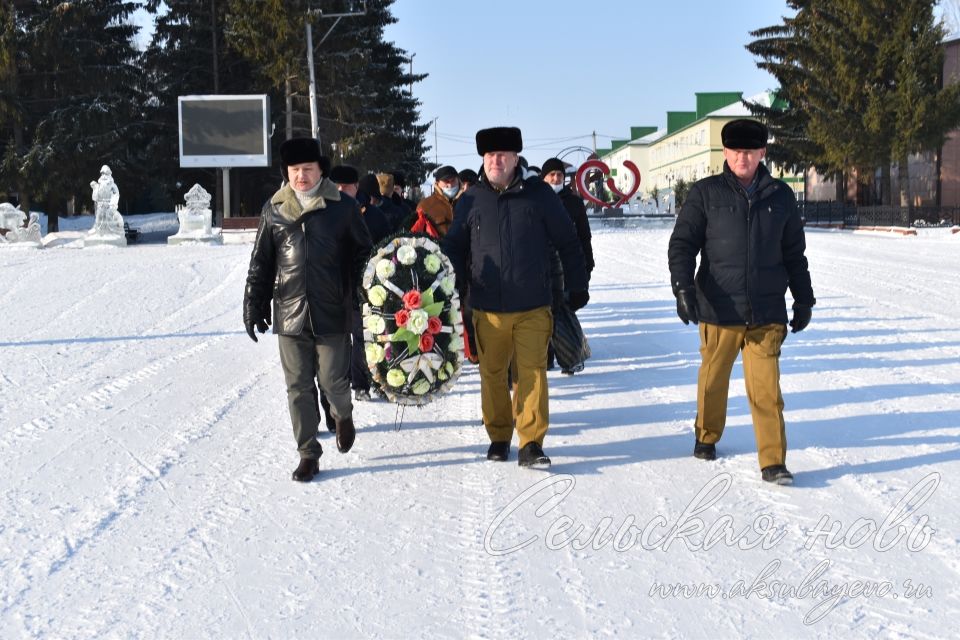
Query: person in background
{"x":436,"y":210}
{"x":746,"y":229}
{"x":310,"y":247}
{"x":347,"y":179}
{"x":396,"y":214}
{"x":509,"y":227}
{"x":554,"y":174}
{"x":468,"y":178}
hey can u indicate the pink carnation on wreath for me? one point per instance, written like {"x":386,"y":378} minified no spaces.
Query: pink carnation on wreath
{"x":401,"y":317}
{"x":426,"y":342}
{"x":411,"y":299}
{"x":434,"y":325}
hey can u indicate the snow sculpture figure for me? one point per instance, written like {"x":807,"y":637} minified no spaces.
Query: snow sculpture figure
{"x":108,"y":223}
{"x":12,"y":220}
{"x":196,"y":219}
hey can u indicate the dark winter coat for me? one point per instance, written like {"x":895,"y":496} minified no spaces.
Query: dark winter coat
{"x":509,"y":237}
{"x":376,"y":221}
{"x":309,"y":261}
{"x":578,"y":213}
{"x":751,"y":250}
{"x":396,"y":215}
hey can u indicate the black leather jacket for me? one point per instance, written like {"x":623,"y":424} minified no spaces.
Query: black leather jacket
{"x":308,"y":261}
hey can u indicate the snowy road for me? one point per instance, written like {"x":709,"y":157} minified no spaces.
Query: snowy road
{"x":146,"y":452}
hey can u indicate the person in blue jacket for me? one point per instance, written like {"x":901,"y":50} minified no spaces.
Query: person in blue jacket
{"x":508,"y":226}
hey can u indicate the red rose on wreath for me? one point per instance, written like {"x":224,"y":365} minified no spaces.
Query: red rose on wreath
{"x":411,"y":299}
{"x":426,"y":342}
{"x":401,"y":317}
{"x":434,"y":325}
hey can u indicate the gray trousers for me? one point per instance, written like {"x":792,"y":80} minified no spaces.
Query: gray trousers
{"x":309,"y":360}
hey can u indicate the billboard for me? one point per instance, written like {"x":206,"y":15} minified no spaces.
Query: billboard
{"x":224,"y":131}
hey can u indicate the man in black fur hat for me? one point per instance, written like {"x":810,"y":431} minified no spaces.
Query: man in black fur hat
{"x":746,"y":228}
{"x":309,"y":251}
{"x":509,"y":227}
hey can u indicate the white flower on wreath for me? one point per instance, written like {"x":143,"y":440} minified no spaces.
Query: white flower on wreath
{"x":374,"y":353}
{"x":432,"y":263}
{"x":375,"y":324}
{"x":386,"y":269}
{"x":418,"y":321}
{"x":456,"y":343}
{"x":447,"y":284}
{"x":396,"y":378}
{"x":406,"y":255}
{"x":377,"y":295}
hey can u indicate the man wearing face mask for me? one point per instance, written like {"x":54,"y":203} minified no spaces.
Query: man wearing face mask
{"x":553,"y":174}
{"x":436,"y":210}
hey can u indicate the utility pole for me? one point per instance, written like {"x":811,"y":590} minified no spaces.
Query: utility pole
{"x":314,"y":124}
{"x":594,"y":141}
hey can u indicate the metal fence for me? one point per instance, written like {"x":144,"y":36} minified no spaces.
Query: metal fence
{"x":880,"y":216}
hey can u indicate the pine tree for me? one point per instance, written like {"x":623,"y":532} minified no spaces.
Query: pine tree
{"x":860,"y":79}
{"x":366,"y":114}
{"x":924,"y":110}
{"x":188,"y":56}
{"x":77,"y":98}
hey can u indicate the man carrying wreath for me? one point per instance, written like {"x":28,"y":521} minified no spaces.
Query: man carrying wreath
{"x":509,"y":226}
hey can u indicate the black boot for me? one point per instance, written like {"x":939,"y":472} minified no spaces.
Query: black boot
{"x":308,"y":468}
{"x":346,"y":434}
{"x":532,"y":456}
{"x":777,"y":474}
{"x":327,"y":416}
{"x":498,"y":451}
{"x":705,"y":451}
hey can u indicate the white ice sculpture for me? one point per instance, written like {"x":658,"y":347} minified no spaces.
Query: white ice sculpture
{"x":196,"y":219}
{"x":108,"y":223}
{"x":18,"y":235}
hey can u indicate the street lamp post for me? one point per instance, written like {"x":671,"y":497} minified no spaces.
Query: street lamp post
{"x":314,"y":124}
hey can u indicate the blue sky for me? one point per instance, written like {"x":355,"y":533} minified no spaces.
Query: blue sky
{"x":562,"y":69}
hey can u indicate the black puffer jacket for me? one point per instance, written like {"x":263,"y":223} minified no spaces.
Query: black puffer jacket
{"x":751,"y":250}
{"x":578,"y":213}
{"x":308,"y":261}
{"x":509,"y":237}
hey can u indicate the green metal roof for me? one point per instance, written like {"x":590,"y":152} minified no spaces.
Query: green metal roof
{"x":679,"y":119}
{"x":639,"y":132}
{"x":708,"y":102}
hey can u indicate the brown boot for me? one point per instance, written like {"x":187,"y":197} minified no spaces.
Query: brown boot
{"x":308,"y":468}
{"x":345,"y":434}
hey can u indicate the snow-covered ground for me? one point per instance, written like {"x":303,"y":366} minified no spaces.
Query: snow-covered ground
{"x":146,"y":454}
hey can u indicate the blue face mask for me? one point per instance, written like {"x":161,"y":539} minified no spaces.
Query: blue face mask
{"x":557,"y":188}
{"x":450,"y":192}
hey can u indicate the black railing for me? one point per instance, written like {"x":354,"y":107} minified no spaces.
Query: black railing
{"x":879,"y":216}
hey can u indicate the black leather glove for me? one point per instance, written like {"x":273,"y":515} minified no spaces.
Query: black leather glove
{"x":578,"y":300}
{"x":687,"y":305}
{"x":801,"y":318}
{"x":257,"y":315}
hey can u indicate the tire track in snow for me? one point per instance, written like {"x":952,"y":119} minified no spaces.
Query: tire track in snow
{"x":97,"y":398}
{"x":90,"y":526}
